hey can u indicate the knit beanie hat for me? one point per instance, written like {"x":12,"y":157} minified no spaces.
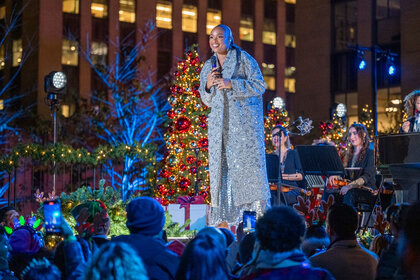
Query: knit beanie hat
{"x":25,"y":240}
{"x":145,"y":215}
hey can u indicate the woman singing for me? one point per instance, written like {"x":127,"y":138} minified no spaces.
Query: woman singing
{"x":232,"y":86}
{"x":291,"y":168}
{"x":412,"y":107}
{"x":360,"y":169}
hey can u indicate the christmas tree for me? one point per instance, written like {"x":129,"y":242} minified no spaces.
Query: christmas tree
{"x":275,"y":116}
{"x":367,"y":120}
{"x":185,"y":164}
{"x":335,"y":131}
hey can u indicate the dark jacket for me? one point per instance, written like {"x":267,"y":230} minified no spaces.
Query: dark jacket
{"x":160,"y":262}
{"x":292,"y":165}
{"x":368,"y":170}
{"x":412,"y":121}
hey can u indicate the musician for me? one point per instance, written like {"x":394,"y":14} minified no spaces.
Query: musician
{"x":291,"y":168}
{"x":361,"y":169}
{"x":412,"y":107}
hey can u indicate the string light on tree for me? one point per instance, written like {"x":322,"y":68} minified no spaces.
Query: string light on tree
{"x":367,"y":120}
{"x":184,"y":168}
{"x":276,"y":115}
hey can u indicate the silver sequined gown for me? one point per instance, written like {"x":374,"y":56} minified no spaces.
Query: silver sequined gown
{"x":238,"y":179}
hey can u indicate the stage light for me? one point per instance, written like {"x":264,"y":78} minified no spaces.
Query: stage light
{"x":278,"y":102}
{"x":391,"y":70}
{"x":362,"y":64}
{"x":360,"y":60}
{"x":55,"y":82}
{"x":341,"y":110}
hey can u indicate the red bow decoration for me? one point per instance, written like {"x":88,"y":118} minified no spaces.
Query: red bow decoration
{"x":186,"y":199}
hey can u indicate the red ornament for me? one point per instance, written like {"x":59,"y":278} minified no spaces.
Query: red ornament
{"x":183,"y":167}
{"x":203,"y":118}
{"x":184,"y":184}
{"x":171,"y":192}
{"x":171,"y":114}
{"x":193,"y":170}
{"x":190,"y":159}
{"x":165,"y":173}
{"x":183,"y":124}
{"x":203,"y":143}
{"x":203,"y":125}
{"x":199,"y":162}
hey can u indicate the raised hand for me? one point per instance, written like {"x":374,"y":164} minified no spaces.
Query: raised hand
{"x":380,"y":224}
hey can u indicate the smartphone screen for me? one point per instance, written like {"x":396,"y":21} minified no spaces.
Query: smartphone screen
{"x":249,"y":220}
{"x":52,"y":216}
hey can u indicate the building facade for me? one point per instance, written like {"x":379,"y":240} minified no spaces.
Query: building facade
{"x":54,"y":30}
{"x":327,"y":32}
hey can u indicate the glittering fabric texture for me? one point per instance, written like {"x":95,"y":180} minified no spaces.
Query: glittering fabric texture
{"x":238,"y":179}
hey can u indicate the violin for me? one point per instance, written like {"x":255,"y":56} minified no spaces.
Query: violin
{"x":339,"y":183}
{"x":287,"y":188}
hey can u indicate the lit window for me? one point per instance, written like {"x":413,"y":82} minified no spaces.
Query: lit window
{"x":65,"y":110}
{"x":17,"y":52}
{"x":270,"y":81}
{"x":269,"y":73}
{"x":269,"y":32}
{"x":2,"y":62}
{"x":99,"y":53}
{"x":1,"y":104}
{"x":290,"y":71}
{"x":128,"y":10}
{"x":246,"y":29}
{"x":164,"y":14}
{"x":70,"y":54}
{"x":214,"y":18}
{"x":99,"y":8}
{"x":290,"y":1}
{"x":189,"y":18}
{"x":290,"y":41}
{"x":71,"y":6}
{"x":2,"y":12}
{"x":289,"y":85}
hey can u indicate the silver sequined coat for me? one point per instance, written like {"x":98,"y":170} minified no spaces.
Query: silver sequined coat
{"x":243,"y":128}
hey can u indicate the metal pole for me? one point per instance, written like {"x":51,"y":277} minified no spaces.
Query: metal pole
{"x":55,"y":140}
{"x":374,"y":91}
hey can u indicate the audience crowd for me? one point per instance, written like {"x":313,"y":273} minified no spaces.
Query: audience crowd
{"x":282,"y":246}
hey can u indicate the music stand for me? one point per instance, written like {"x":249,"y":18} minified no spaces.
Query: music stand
{"x":320,"y":160}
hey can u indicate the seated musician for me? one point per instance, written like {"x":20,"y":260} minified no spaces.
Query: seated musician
{"x":290,"y":165}
{"x":412,"y":107}
{"x":360,"y":172}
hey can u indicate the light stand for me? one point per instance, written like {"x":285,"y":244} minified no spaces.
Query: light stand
{"x":54,"y":86}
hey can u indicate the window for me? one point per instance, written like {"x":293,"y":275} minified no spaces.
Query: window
{"x":70,"y":55}
{"x":387,"y":9}
{"x":269,"y":32}
{"x":269,"y":73}
{"x":71,"y":6}
{"x":290,"y":1}
{"x":246,"y":29}
{"x":99,"y":8}
{"x":164,"y":14}
{"x":99,"y":53}
{"x":351,"y":102}
{"x":214,"y":18}
{"x":345,"y":24}
{"x":289,"y":84}
{"x":290,"y":41}
{"x":17,"y":52}
{"x":2,"y":62}
{"x":189,"y":18}
{"x":1,"y":104}
{"x":2,"y":12}
{"x":127,"y":10}
{"x":290,"y":71}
